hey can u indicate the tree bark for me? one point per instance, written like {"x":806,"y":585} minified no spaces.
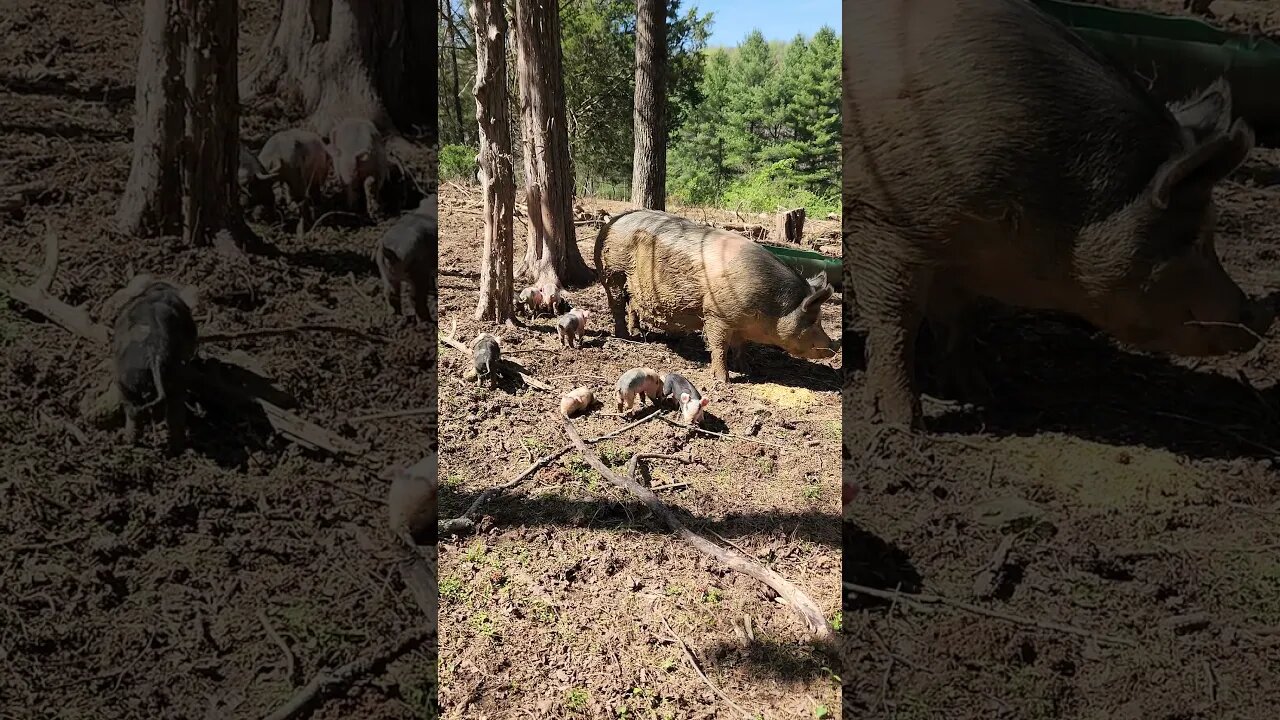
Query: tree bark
{"x":372,"y":59}
{"x":211,"y":197}
{"x":497,"y":174}
{"x":152,"y":200}
{"x":649,"y":161}
{"x":553,"y":258}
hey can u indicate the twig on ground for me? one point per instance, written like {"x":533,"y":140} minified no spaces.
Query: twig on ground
{"x":693,"y":662}
{"x":920,"y":600}
{"x":392,"y":414}
{"x":799,"y":602}
{"x":290,"y":662}
{"x":669,"y":486}
{"x":695,"y":428}
{"x":325,"y":681}
{"x":293,"y":330}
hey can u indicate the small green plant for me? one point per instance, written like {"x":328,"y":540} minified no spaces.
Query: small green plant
{"x":812,"y":491}
{"x":674,"y":590}
{"x":457,"y":162}
{"x":475,"y":553}
{"x":453,"y":589}
{"x":712,"y":596}
{"x":536,"y":446}
{"x":667,"y":665}
{"x":613,"y":456}
{"x":837,"y":620}
{"x":766,"y":465}
{"x":821,"y":712}
{"x":576,"y":699}
{"x":483,"y":625}
{"x":452,"y":480}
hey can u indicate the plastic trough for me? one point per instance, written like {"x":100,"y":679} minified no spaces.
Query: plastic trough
{"x":809,"y":263}
{"x":1179,"y":55}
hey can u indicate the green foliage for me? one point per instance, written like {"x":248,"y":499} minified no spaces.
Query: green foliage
{"x":457,"y":162}
{"x":767,"y":131}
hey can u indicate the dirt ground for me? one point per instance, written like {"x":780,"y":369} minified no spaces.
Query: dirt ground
{"x":1141,"y":499}
{"x":563,"y":603}
{"x":217,"y":583}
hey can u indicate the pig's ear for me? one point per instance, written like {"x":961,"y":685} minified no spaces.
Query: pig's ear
{"x":705,"y":402}
{"x":1197,"y":170}
{"x":1208,"y":112}
{"x":816,"y":299}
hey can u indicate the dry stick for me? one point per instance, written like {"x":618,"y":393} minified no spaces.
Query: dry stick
{"x":920,"y":600}
{"x":800,"y":602}
{"x":634,"y":465}
{"x":292,"y":330}
{"x":392,"y":414}
{"x":290,"y":661}
{"x":695,"y":428}
{"x":346,"y":674}
{"x":694,"y":663}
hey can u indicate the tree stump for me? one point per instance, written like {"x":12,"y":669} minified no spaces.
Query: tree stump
{"x":790,"y":226}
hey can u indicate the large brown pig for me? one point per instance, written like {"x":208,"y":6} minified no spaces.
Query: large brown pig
{"x":676,"y":275}
{"x":990,"y":153}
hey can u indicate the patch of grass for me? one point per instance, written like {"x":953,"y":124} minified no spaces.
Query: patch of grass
{"x":765,"y":464}
{"x":668,"y":664}
{"x":837,"y":620}
{"x":536,"y":446}
{"x":614,"y":456}
{"x":576,"y":699}
{"x":320,"y":637}
{"x":674,"y":590}
{"x":419,"y":692}
{"x":453,"y":589}
{"x":821,"y":712}
{"x":452,"y":480}
{"x":476,"y":554}
{"x":712,"y":596}
{"x":835,"y":429}
{"x":542,"y":612}
{"x":812,"y":492}
{"x":483,"y":625}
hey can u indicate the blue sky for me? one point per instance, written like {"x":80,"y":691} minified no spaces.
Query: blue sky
{"x":780,"y":20}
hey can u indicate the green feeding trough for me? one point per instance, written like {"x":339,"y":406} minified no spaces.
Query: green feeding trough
{"x":1180,"y":55}
{"x":809,"y":263}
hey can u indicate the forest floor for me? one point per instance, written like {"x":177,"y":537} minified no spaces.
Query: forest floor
{"x":565,"y":601}
{"x":217,"y":583}
{"x":1140,"y":497}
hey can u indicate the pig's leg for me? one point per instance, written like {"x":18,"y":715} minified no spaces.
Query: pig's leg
{"x":958,"y":367}
{"x":889,"y":295}
{"x":371,"y":198}
{"x":616,"y":293}
{"x":132,"y":429}
{"x":717,"y":335}
{"x":421,"y":300}
{"x":176,"y":419}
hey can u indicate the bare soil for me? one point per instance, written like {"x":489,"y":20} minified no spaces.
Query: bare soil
{"x":217,"y":583}
{"x":557,"y":604}
{"x":1141,"y":494}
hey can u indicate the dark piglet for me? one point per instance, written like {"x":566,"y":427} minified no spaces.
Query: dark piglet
{"x":485,"y":353}
{"x":407,"y":251}
{"x":153,"y":341}
{"x":678,"y":389}
{"x":571,"y":326}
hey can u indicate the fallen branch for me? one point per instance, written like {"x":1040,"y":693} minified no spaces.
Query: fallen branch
{"x":285,"y":331}
{"x":464,"y":521}
{"x":77,"y":320}
{"x":695,"y":428}
{"x":694,"y":663}
{"x":345,"y":675}
{"x":921,"y":599}
{"x":634,"y":465}
{"x":799,"y":602}
{"x":528,"y":379}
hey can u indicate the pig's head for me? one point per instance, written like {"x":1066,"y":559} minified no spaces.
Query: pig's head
{"x":800,"y":331}
{"x":1151,"y":273}
{"x":691,"y":410}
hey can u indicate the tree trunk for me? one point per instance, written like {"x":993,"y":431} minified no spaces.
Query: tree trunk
{"x":336,"y":59}
{"x":152,"y":200}
{"x":456,"y":94}
{"x":553,"y":257}
{"x":649,"y":161}
{"x":211,"y":197}
{"x":497,"y":174}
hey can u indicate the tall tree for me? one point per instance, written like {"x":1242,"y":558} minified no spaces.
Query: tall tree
{"x":649,"y":160}
{"x":152,"y":200}
{"x":352,"y":58}
{"x":456,"y":43}
{"x":186,"y":126}
{"x":552,"y":257}
{"x":497,"y":174}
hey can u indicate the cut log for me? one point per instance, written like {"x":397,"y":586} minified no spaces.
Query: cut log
{"x":790,"y":225}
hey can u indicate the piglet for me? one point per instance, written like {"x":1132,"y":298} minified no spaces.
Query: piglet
{"x":530,"y":300}
{"x":408,"y":252}
{"x":572,"y":326}
{"x":153,"y":341}
{"x":576,"y":400}
{"x":641,"y":381}
{"x":686,"y":396}
{"x":485,"y":352}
